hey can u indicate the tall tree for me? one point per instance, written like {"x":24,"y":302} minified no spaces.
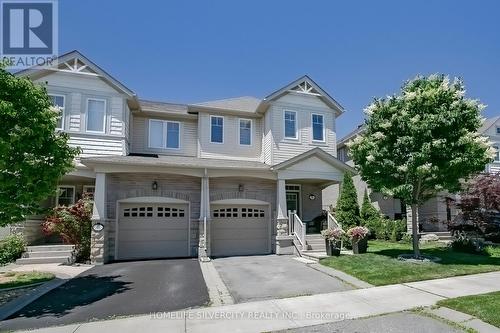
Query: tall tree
{"x":33,"y":156}
{"x":421,"y":142}
{"x":347,"y":209}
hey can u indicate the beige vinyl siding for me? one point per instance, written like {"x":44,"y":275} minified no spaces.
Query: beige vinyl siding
{"x":139,"y":138}
{"x":305,"y":106}
{"x":129,"y":185}
{"x":231,"y":147}
{"x":97,"y":145}
{"x":77,"y":89}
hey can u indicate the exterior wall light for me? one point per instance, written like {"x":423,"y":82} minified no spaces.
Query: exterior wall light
{"x":241,"y":188}
{"x":312,"y":196}
{"x":154,"y":186}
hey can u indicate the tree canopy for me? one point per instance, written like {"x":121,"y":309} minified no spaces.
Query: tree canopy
{"x":33,"y":156}
{"x":421,"y":141}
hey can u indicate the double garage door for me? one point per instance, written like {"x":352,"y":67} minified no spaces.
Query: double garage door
{"x":153,"y":231}
{"x":240,"y":230}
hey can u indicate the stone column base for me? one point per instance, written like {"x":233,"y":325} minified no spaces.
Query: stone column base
{"x":98,"y":244}
{"x":284,"y":245}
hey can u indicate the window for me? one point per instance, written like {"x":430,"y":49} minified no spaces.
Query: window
{"x":497,"y":153}
{"x":318,"y":127}
{"x":89,"y":190}
{"x":216,"y":129}
{"x":96,"y":115}
{"x":164,"y":134}
{"x":498,"y":129}
{"x":65,"y":195}
{"x":290,"y":124}
{"x":58,"y":101}
{"x":245,"y":132}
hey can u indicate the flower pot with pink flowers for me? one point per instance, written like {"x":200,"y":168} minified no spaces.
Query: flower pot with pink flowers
{"x":333,"y":237}
{"x":359,"y":239}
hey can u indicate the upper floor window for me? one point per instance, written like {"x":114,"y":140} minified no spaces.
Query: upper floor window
{"x":290,"y":124}
{"x":65,"y":195}
{"x":58,"y":101}
{"x":318,"y":127}
{"x":216,"y":129}
{"x":245,"y":132}
{"x":498,"y":130}
{"x":96,"y":115}
{"x":164,"y":134}
{"x":497,"y":154}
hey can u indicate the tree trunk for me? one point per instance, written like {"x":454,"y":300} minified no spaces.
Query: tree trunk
{"x":414,"y":224}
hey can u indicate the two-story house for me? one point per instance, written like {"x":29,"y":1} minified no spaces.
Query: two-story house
{"x":172,"y":179}
{"x":436,"y":212}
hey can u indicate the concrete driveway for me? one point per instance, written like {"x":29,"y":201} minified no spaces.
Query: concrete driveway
{"x":255,"y":278}
{"x":118,"y":289}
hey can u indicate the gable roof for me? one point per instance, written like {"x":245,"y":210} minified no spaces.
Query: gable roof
{"x":318,"y":152}
{"x":246,"y":104}
{"x":88,"y":67}
{"x":306,"y":85}
{"x":488,"y":123}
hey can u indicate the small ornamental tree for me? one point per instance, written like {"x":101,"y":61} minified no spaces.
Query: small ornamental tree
{"x":368,"y":211}
{"x":347,"y":210}
{"x":421,"y":142}
{"x":33,"y":156}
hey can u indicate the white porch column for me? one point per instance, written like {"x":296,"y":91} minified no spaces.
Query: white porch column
{"x":98,"y":249}
{"x":284,"y":242}
{"x":204,"y":222}
{"x":281,"y":200}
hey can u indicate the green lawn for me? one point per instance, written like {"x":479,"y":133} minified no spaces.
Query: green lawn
{"x":18,"y":279}
{"x":380,"y":265}
{"x":485,"y":307}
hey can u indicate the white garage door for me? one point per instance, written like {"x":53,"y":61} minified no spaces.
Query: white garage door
{"x":152,"y":231}
{"x":240,"y":230}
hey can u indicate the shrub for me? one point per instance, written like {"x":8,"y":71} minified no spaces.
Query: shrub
{"x":11,"y":248}
{"x":368,"y":212}
{"x":347,"y":210}
{"x":465,"y":243}
{"x":386,"y":229}
{"x":73,"y":224}
{"x":398,"y":229}
{"x":406,"y":239}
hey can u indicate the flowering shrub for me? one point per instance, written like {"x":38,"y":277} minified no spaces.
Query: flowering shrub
{"x":73,"y":224}
{"x":357,"y":233}
{"x":333,"y":234}
{"x":11,"y":248}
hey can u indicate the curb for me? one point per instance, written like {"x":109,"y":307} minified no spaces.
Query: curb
{"x":17,"y":304}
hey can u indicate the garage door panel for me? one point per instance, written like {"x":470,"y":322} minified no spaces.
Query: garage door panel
{"x":240,"y":230}
{"x":147,"y":230}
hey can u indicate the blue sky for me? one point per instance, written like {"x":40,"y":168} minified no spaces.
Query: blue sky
{"x":193,"y":51}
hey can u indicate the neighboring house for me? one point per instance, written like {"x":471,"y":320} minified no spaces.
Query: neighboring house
{"x":168,"y":178}
{"x":435,"y":213}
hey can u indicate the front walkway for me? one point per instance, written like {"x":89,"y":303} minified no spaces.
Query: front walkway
{"x":297,"y":312}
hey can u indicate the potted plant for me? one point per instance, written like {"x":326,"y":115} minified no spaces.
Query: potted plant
{"x":359,"y":239}
{"x":332,"y":240}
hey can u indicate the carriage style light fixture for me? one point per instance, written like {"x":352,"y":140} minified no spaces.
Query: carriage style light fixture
{"x":154,"y":186}
{"x":312,"y":196}
{"x":241,"y":188}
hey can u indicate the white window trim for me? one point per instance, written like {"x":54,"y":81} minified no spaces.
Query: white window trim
{"x":251,"y":132}
{"x":63,"y":113}
{"x":87,"y":113}
{"x":497,"y":146}
{"x":223,"y":125}
{"x":312,"y":128}
{"x":65,"y":186}
{"x":86,"y":187}
{"x":296,"y":126}
{"x":164,"y":134}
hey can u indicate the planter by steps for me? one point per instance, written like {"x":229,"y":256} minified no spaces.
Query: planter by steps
{"x":332,"y":248}
{"x":360,"y":246}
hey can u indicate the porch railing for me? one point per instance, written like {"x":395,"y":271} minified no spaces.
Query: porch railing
{"x":298,"y":228}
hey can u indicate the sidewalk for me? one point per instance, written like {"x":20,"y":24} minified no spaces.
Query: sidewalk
{"x":298,"y":311}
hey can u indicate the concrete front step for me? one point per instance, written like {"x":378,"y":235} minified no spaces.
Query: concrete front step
{"x":44,"y":260}
{"x":52,"y":247}
{"x":42,"y":254}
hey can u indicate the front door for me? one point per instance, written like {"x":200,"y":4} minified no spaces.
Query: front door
{"x":292,"y":201}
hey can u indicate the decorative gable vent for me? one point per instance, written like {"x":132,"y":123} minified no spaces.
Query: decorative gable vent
{"x":305,"y":88}
{"x":75,"y":65}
